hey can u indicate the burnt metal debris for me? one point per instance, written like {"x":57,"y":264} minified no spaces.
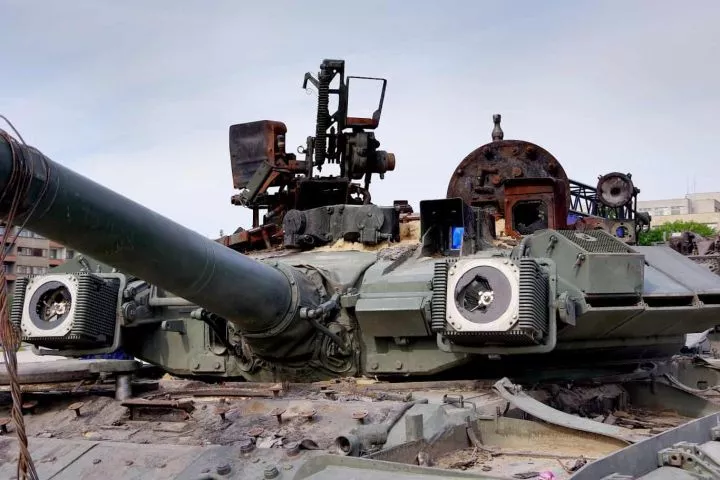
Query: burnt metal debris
{"x":322,"y":340}
{"x":701,"y":250}
{"x":260,"y":162}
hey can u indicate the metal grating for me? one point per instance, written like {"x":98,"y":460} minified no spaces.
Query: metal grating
{"x":596,"y":241}
{"x":516,"y":337}
{"x":96,"y":308}
{"x":534,"y":302}
{"x":18,"y":302}
{"x":439,"y":296}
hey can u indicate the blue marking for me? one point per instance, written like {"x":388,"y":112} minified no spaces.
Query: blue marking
{"x":456,"y":234}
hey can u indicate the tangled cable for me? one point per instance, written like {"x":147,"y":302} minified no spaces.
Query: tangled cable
{"x":15,"y":193}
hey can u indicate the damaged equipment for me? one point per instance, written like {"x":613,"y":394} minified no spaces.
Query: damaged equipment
{"x":516,"y":262}
{"x":519,"y":272}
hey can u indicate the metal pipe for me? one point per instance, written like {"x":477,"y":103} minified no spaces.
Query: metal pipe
{"x":115,"y":230}
{"x":169,"y":302}
{"x":123,"y":387}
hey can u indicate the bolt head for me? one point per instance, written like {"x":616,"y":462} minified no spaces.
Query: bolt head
{"x":271,"y":472}
{"x":246,"y":445}
{"x":277,"y":411}
{"x":360,"y":415}
{"x":292,"y":448}
{"x":223,"y":469}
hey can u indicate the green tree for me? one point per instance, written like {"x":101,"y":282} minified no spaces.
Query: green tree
{"x":656,"y":233}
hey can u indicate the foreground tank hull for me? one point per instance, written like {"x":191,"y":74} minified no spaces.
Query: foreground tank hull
{"x":475,"y":429}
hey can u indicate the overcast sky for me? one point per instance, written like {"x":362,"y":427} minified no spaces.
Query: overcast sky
{"x":139,"y":95}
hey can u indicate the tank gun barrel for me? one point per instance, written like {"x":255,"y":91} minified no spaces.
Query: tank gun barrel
{"x":79,"y":213}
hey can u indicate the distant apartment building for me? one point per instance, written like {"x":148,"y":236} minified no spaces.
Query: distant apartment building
{"x":31,"y":255}
{"x":696,"y":207}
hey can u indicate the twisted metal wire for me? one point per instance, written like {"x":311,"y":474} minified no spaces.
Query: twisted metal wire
{"x":17,"y":187}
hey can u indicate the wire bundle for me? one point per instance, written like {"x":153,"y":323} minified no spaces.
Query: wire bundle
{"x":14,"y":194}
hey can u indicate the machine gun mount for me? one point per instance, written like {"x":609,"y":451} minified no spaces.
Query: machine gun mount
{"x":260,"y":163}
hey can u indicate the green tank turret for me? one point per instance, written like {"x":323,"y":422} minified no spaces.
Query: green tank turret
{"x":518,"y":266}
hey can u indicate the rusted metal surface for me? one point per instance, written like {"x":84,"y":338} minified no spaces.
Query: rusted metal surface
{"x":526,"y":186}
{"x":348,"y":386}
{"x":615,"y":189}
{"x":518,"y":448}
{"x":480,"y":178}
{"x":186,"y":405}
{"x":533,"y":204}
{"x":624,"y":230}
{"x":251,"y":145}
{"x":81,"y":387}
{"x":166,"y":410}
{"x":264,"y":237}
{"x":223,"y":392}
{"x":591,"y":223}
{"x":274,"y":180}
{"x":521,"y":400}
{"x":248,"y":431}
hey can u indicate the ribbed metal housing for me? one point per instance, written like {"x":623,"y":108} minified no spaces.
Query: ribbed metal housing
{"x":93,"y":321}
{"x":18,"y":301}
{"x":438,"y":302}
{"x":534,"y":301}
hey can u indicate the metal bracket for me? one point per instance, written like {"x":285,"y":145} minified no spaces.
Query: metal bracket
{"x":208,"y":363}
{"x":689,"y":457}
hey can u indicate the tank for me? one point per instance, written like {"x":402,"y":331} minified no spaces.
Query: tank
{"x":518,"y":272}
{"x":517,"y":262}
